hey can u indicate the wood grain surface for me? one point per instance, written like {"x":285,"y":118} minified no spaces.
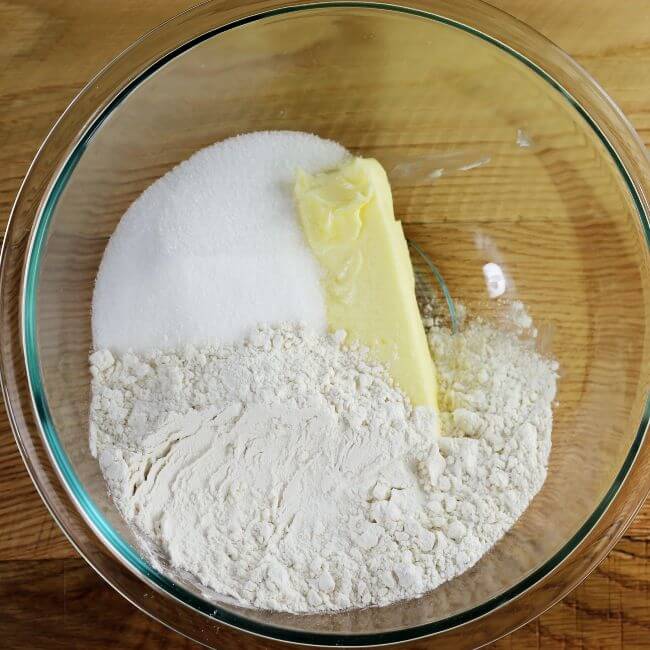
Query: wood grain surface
{"x":49,"y":597}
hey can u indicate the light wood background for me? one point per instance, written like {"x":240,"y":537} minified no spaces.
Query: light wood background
{"x":49,"y":597}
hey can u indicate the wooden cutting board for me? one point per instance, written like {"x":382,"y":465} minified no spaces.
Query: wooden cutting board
{"x":49,"y":597}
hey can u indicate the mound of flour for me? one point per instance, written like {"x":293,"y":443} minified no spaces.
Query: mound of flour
{"x":287,"y":472}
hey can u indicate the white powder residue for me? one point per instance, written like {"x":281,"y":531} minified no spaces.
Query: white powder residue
{"x":188,"y":259}
{"x":287,"y":472}
{"x":519,"y":317}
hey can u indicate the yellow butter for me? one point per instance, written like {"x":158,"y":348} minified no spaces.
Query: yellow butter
{"x":347,"y":216}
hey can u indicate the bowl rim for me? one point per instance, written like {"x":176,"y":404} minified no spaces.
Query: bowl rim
{"x":66,"y":160}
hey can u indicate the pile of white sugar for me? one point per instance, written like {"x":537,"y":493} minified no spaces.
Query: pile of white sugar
{"x":277,"y":464}
{"x":214,"y":248}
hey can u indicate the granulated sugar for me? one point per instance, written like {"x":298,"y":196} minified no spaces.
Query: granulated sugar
{"x":214,"y":248}
{"x":287,"y":472}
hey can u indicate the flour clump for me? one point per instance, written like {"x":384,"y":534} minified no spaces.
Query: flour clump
{"x":287,"y":472}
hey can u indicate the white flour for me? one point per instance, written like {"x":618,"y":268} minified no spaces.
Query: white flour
{"x":288,"y":473}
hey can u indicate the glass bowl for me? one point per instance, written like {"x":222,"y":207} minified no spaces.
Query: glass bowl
{"x":500,"y":149}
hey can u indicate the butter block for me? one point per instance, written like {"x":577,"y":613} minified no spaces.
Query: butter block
{"x":347,"y":216}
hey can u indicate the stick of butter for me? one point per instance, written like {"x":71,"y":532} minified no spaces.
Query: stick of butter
{"x":347,"y":216}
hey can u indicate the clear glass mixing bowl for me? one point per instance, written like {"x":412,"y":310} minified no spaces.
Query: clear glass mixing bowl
{"x":500,"y":149}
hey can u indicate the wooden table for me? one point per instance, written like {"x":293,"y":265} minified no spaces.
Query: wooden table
{"x":49,"y":597}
